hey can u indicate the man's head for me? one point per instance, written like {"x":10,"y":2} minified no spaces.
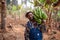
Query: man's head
{"x":29,"y":15}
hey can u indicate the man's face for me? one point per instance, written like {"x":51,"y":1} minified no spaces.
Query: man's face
{"x":30,"y":16}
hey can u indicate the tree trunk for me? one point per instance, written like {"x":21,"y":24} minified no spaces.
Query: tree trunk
{"x":3,"y":13}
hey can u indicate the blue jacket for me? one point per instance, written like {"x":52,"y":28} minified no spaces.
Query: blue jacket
{"x":33,"y":33}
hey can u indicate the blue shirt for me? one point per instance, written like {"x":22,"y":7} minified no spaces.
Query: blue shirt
{"x":34,"y":33}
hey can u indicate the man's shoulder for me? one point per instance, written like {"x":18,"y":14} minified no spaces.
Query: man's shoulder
{"x":28,"y":22}
{"x":28,"y":25}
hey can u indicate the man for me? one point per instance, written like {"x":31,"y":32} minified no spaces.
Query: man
{"x":32,"y":31}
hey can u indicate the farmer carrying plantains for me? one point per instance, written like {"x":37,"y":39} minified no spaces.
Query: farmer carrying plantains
{"x":32,"y":31}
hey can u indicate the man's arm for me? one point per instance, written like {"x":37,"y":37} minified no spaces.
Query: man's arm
{"x":42,"y":28}
{"x":26,"y":34}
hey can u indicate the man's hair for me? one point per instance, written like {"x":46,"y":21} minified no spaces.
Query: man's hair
{"x":28,"y":13}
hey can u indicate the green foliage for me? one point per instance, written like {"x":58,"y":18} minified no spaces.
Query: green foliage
{"x":39,"y":15}
{"x":58,"y":13}
{"x":42,"y":1}
{"x":19,"y":7}
{"x":53,"y":1}
{"x":45,"y":3}
{"x":36,"y":3}
{"x":8,"y":2}
{"x":14,"y":8}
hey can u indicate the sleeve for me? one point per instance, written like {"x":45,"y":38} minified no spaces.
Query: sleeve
{"x":42,"y":28}
{"x":26,"y":34}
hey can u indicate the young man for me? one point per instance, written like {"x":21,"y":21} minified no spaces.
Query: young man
{"x":32,"y":31}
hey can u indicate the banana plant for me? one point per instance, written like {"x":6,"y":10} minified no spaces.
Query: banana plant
{"x":46,"y":5}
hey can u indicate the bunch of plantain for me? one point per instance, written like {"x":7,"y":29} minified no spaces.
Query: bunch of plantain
{"x":39,"y":15}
